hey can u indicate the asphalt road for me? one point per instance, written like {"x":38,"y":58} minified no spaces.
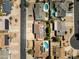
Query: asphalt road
{"x":74,"y":42}
{"x":23,"y":31}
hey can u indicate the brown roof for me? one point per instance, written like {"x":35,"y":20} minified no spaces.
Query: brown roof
{"x":39,"y":30}
{"x":37,"y":50}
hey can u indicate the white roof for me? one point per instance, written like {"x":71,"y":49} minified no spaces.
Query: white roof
{"x":2,"y":22}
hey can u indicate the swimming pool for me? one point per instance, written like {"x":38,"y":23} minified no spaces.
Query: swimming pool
{"x":46,"y":7}
{"x":53,"y":12}
{"x":45,"y":44}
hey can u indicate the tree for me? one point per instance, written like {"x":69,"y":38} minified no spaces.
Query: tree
{"x":48,"y":30}
{"x":27,"y":4}
{"x":56,"y":39}
{"x":48,"y":57}
{"x":30,"y":51}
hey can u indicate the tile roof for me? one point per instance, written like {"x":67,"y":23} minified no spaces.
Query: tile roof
{"x":38,"y":53}
{"x":39,"y":30}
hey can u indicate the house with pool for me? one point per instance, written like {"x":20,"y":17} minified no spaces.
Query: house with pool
{"x":41,"y":49}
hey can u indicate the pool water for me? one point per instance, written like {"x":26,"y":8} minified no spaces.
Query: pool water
{"x":53,"y":13}
{"x":46,"y":7}
{"x":45,"y":44}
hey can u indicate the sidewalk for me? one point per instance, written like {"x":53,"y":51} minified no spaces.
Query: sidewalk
{"x":15,"y":28}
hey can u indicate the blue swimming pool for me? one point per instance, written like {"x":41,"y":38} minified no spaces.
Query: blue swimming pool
{"x":45,"y":44}
{"x":53,"y":13}
{"x":46,"y":7}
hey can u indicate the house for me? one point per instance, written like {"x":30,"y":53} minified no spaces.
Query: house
{"x":39,"y":30}
{"x":58,"y":52}
{"x":39,"y":14}
{"x":4,"y":53}
{"x":4,"y":24}
{"x":61,"y":10}
{"x":6,"y":6}
{"x":40,"y":52}
{"x":60,"y":28}
{"x":4,"y":40}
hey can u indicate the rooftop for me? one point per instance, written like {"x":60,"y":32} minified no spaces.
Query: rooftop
{"x":60,"y":27}
{"x":4,"y":24}
{"x":38,"y":11}
{"x":6,"y":6}
{"x":39,"y":30}
{"x":61,"y":12}
{"x":4,"y":53}
{"x":38,"y":53}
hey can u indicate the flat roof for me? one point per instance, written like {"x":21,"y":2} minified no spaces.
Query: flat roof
{"x":4,"y":24}
{"x":37,"y":10}
{"x":60,"y":27}
{"x":6,"y":40}
{"x":39,"y":30}
{"x":4,"y":53}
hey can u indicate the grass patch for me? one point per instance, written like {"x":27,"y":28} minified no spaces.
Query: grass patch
{"x":56,"y":39}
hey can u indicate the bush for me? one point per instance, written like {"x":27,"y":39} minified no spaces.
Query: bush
{"x":30,"y":51}
{"x":48,"y":30}
{"x":56,"y":39}
{"x":1,"y":14}
{"x":48,"y":57}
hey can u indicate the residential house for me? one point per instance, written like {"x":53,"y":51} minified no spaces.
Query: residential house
{"x":61,"y":11}
{"x":59,"y":53}
{"x":39,"y":30}
{"x":4,"y":24}
{"x":4,"y":40}
{"x":6,"y":6}
{"x":4,"y":54}
{"x":40,"y":51}
{"x":64,"y":7}
{"x":39,"y":14}
{"x":60,"y":27}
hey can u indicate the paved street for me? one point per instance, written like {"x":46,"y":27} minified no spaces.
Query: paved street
{"x":73,"y":41}
{"x":23,"y":31}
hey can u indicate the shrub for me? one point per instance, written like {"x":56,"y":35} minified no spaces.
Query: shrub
{"x":57,"y":39}
{"x":30,"y":51}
